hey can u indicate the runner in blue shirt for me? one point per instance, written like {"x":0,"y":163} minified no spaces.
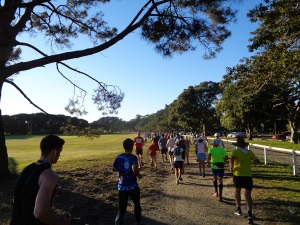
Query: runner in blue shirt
{"x":127,"y":165}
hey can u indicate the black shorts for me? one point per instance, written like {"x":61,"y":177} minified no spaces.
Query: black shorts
{"x":164,"y":151}
{"x":243,"y":182}
{"x":139,"y":151}
{"x":178,"y":164}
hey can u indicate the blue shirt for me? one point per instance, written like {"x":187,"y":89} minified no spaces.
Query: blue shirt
{"x":163,"y":143}
{"x":127,"y":179}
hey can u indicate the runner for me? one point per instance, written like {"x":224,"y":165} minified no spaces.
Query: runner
{"x":240,"y":163}
{"x":178,"y":162}
{"x":183,"y":146}
{"x":139,"y":143}
{"x":220,"y":142}
{"x":162,"y":142}
{"x":127,"y":165}
{"x":153,"y":149}
{"x":217,"y":155}
{"x":170,"y":145}
{"x":201,"y":156}
{"x":187,"y":150}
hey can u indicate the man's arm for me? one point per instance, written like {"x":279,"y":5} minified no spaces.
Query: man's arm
{"x":231,"y":163}
{"x":42,"y":211}
{"x":136,"y":171}
{"x":208,"y":160}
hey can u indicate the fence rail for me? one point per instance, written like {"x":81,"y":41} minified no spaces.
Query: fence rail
{"x":279,"y":155}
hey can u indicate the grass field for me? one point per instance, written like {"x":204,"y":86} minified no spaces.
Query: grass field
{"x":275,"y":188}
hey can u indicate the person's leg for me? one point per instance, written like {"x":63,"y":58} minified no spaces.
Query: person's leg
{"x":237,"y":197}
{"x":141,"y":156}
{"x":220,"y":188}
{"x":135,"y":197}
{"x":187,"y":156}
{"x":203,"y":167}
{"x":171,"y":161}
{"x":176,"y":174}
{"x":155,"y":164}
{"x":123,"y":198}
{"x":215,"y":182}
{"x":200,"y":166}
{"x":248,"y":199}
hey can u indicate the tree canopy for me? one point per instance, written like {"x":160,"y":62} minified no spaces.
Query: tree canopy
{"x":172,"y":26}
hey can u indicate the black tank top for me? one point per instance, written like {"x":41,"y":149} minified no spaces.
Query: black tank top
{"x":25,"y":193}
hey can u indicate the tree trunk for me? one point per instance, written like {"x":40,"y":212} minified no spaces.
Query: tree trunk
{"x":3,"y":150}
{"x":294,"y":136}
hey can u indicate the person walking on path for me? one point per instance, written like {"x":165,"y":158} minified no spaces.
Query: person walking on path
{"x":240,"y":165}
{"x":153,"y":149}
{"x":178,"y":162}
{"x":217,"y":156}
{"x":182,"y":145}
{"x":201,"y":155}
{"x":163,"y":147}
{"x":187,"y":150}
{"x":127,"y":165}
{"x":36,"y":187}
{"x":171,"y":145}
{"x":220,"y":142}
{"x":139,"y":143}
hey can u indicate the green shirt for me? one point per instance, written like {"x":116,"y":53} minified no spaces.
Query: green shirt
{"x":217,"y":155}
{"x":242,"y":162}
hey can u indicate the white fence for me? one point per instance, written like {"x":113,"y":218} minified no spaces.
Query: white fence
{"x":267,"y":149}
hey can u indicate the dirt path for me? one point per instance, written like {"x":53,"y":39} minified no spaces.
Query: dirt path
{"x":191,"y":202}
{"x":163,"y":202}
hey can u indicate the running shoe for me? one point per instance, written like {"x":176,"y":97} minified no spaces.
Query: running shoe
{"x":238,"y":212}
{"x":216,"y":194}
{"x":203,"y":175}
{"x":177,"y":182}
{"x":220,"y":199}
{"x":250,"y":220}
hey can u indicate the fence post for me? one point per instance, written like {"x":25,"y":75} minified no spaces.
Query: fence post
{"x":295,"y":166}
{"x":265,"y":155}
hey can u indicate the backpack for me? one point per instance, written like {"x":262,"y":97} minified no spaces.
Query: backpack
{"x":177,"y":151}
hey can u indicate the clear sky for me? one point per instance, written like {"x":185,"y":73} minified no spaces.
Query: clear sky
{"x":148,"y":80}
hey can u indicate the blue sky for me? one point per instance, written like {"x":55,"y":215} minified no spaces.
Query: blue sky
{"x":148,"y":80}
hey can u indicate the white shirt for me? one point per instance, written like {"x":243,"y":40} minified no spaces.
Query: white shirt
{"x":171,"y":144}
{"x":177,"y":157}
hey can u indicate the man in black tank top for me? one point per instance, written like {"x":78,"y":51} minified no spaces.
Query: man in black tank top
{"x":36,"y":186}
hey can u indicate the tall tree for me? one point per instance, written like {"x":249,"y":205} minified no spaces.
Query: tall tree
{"x":194,"y":107}
{"x":278,"y":61}
{"x":170,"y":25}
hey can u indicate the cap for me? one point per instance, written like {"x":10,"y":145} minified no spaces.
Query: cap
{"x":216,"y":134}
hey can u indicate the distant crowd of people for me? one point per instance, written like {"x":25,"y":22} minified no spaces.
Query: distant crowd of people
{"x":37,"y":183}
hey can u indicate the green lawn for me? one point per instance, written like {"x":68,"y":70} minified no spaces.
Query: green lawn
{"x":275,"y":187}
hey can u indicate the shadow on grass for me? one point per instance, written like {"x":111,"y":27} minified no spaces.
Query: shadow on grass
{"x":93,"y":199}
{"x":281,"y":211}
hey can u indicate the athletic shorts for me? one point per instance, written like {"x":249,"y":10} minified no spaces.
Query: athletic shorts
{"x":171,"y":153}
{"x":164,"y":151}
{"x":139,"y":151}
{"x":243,"y":182}
{"x":178,"y":164}
{"x":201,"y":156}
{"x":218,"y":172}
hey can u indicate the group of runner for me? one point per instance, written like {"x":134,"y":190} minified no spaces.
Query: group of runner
{"x":176,"y":148}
